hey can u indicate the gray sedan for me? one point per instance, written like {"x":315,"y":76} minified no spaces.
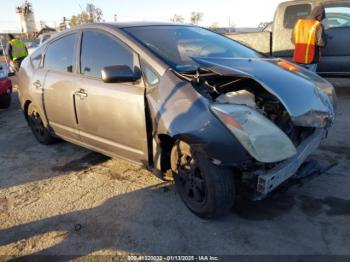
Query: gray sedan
{"x":187,"y":103}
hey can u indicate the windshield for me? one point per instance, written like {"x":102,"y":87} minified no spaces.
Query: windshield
{"x":176,"y":45}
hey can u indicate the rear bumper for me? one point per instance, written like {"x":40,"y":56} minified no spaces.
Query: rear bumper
{"x":268,"y":181}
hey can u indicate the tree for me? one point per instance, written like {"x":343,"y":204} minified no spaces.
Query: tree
{"x":215,"y":25}
{"x":91,"y":15}
{"x":95,"y":14}
{"x":177,"y":19}
{"x":196,"y":17}
{"x":79,"y":19}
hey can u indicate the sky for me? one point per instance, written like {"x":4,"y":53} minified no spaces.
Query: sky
{"x":243,"y":13}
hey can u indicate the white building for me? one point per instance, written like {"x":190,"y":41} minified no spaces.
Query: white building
{"x":26,"y":17}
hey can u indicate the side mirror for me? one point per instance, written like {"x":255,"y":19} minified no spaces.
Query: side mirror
{"x":119,"y":74}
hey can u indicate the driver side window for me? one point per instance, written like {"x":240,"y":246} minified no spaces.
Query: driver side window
{"x":99,"y":50}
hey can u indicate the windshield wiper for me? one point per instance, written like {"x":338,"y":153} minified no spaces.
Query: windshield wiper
{"x":195,"y":75}
{"x":197,"y":78}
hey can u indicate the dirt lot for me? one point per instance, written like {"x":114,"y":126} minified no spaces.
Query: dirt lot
{"x":63,"y":199}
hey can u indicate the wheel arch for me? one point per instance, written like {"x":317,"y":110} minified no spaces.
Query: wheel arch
{"x":166,"y":143}
{"x":25,"y":108}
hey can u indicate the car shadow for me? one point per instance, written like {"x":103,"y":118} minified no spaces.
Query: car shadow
{"x":149,"y":221}
{"x":127,"y":222}
{"x":139,"y":222}
{"x":24,"y":160}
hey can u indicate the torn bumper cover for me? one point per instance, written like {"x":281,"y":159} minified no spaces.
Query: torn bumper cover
{"x":268,"y":181}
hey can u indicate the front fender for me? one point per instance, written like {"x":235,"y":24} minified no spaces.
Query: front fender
{"x":180,"y":112}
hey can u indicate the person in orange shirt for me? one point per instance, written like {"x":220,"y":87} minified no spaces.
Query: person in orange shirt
{"x":308,"y":38}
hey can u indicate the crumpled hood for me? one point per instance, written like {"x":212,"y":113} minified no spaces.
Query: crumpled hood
{"x":309,"y":99}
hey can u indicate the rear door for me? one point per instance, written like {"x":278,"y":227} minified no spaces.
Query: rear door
{"x":336,"y":55}
{"x":60,"y":85}
{"x":37,"y":80}
{"x":111,"y":116}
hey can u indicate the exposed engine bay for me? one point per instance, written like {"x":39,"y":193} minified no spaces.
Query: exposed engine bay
{"x":245,"y":91}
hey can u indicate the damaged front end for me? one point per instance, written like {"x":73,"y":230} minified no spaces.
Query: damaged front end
{"x":278,"y":111}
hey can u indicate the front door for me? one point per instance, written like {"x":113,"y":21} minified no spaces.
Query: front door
{"x":111,"y":116}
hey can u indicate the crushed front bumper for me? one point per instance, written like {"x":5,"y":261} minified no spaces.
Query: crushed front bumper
{"x":268,"y":181}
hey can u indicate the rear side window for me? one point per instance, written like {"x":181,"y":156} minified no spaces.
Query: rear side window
{"x":337,"y":15}
{"x":100,"y":50}
{"x":294,"y":13}
{"x":60,"y":54}
{"x":37,"y":56}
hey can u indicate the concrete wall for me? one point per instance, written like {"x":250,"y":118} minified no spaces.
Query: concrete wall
{"x":259,"y":41}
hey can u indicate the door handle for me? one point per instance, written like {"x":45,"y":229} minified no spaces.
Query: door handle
{"x":37,"y":84}
{"x":81,"y":93}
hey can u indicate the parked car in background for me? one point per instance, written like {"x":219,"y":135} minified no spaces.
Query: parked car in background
{"x":180,"y":100}
{"x":277,"y":43}
{"x":5,"y":86}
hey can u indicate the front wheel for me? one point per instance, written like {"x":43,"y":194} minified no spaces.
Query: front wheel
{"x":5,"y":101}
{"x":207,"y":190}
{"x":40,"y":132}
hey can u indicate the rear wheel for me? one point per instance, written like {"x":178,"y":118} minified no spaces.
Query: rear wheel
{"x":5,"y":101}
{"x":40,"y":132}
{"x":206,"y":189}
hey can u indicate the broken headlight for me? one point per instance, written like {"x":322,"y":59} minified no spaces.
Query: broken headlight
{"x":259,"y":136}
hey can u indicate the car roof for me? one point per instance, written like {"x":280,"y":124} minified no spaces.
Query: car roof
{"x":122,"y":25}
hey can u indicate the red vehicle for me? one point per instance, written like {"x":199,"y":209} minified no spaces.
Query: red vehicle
{"x":5,"y":88}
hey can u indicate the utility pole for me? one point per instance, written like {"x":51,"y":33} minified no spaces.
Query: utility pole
{"x":229,"y":24}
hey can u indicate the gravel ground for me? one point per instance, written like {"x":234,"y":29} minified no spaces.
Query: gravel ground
{"x":66,"y":200}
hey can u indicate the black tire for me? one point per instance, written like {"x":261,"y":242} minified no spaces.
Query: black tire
{"x":36,"y":124}
{"x":5,"y":101}
{"x":206,"y":189}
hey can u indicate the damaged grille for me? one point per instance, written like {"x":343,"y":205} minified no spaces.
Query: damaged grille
{"x":276,"y":112}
